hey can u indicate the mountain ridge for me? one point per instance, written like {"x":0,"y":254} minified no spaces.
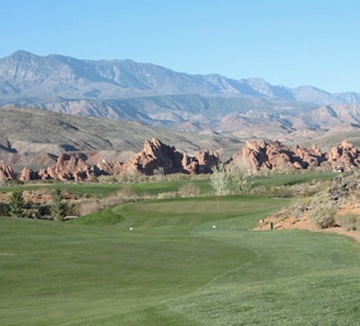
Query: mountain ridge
{"x":160,"y":97}
{"x":22,"y":67}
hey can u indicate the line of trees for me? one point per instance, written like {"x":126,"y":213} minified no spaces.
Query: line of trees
{"x":18,"y":208}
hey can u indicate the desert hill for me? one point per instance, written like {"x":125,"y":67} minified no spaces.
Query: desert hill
{"x":157,"y":96}
{"x":35,"y":138}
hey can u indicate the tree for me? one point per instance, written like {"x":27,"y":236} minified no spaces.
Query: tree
{"x":16,"y":203}
{"x":219,"y":180}
{"x":57,"y":209}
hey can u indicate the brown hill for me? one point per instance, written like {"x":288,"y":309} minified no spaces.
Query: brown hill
{"x":35,"y":138}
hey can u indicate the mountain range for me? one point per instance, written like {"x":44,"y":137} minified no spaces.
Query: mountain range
{"x":157,"y":96}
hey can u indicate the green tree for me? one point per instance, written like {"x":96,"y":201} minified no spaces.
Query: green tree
{"x":16,"y":203}
{"x":57,"y":209}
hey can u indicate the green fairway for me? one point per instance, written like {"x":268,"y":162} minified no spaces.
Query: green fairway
{"x":176,"y":262}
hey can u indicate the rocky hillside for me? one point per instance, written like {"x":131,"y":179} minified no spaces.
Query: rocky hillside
{"x":35,"y":138}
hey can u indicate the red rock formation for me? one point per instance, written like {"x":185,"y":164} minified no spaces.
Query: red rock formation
{"x":274,"y":155}
{"x":68,"y":167}
{"x":205,"y":161}
{"x":157,"y":156}
{"x":344,"y":157}
{"x":262,"y":155}
{"x":309,"y":158}
{"x":28,"y":174}
{"x":110,"y":168}
{"x":6,"y":173}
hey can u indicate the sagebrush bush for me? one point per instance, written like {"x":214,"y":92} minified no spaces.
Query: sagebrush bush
{"x":299,"y":208}
{"x":89,"y":206}
{"x":323,"y":216}
{"x":348,"y":221}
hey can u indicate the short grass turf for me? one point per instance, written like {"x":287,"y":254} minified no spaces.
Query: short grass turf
{"x":185,"y":262}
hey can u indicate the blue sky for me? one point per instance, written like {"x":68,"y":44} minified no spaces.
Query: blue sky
{"x":289,"y":42}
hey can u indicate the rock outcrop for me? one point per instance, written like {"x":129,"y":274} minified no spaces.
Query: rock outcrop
{"x":69,"y":167}
{"x":157,"y":157}
{"x":6,"y":173}
{"x":273,"y":155}
{"x":344,"y":157}
{"x":28,"y":174}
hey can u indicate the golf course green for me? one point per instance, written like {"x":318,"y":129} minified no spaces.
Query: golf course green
{"x":176,"y":262}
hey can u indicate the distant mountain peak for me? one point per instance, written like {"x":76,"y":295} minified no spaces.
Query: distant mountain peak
{"x":22,"y":54}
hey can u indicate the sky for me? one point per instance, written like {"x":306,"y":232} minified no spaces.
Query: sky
{"x":285,"y":42}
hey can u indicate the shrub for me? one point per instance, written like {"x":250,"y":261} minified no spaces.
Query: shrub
{"x":281,"y":192}
{"x":107,"y":179}
{"x":16,"y":203}
{"x":32,"y":212}
{"x":323,"y":216}
{"x":299,"y":208}
{"x":348,"y":221}
{"x":58,"y":207}
{"x":89,"y":206}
